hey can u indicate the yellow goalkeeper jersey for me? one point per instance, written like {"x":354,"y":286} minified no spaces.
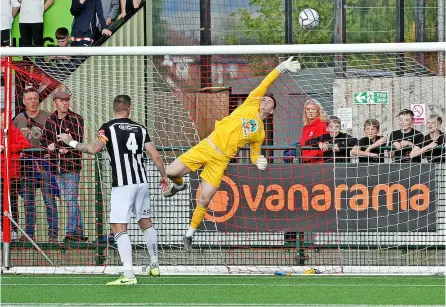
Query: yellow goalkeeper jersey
{"x":243,"y":126}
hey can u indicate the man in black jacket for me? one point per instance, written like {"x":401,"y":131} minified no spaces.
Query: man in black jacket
{"x":84,"y":23}
{"x":68,"y":161}
{"x":341,"y":142}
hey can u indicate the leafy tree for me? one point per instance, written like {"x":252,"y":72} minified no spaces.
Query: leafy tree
{"x":266,"y":26}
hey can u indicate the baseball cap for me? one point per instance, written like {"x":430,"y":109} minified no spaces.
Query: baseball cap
{"x":61,"y":94}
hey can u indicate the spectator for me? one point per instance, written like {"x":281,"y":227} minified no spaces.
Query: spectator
{"x":35,"y":168}
{"x":63,"y":40}
{"x":315,"y":125}
{"x":402,"y":140}
{"x":31,"y":22}
{"x":9,"y":10}
{"x":61,"y":67}
{"x":17,"y":142}
{"x":369,"y":147}
{"x":67,"y":162}
{"x":110,"y":9}
{"x":340,"y":141}
{"x":434,"y":139}
{"x":63,"y":37}
{"x":84,"y":12}
{"x":128,"y":5}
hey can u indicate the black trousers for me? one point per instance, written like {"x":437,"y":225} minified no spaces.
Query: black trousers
{"x":6,"y":38}
{"x":31,"y":34}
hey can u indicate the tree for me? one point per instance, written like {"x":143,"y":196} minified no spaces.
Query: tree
{"x":266,"y":26}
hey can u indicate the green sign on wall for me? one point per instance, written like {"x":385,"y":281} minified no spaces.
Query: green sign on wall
{"x":371,"y":97}
{"x":57,"y":16}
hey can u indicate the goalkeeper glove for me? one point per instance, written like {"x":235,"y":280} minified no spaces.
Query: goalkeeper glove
{"x":261,"y":163}
{"x":289,"y":65}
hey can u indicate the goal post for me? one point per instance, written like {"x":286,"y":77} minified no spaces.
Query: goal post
{"x":340,"y":216}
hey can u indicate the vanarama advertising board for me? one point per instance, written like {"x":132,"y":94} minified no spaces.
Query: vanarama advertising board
{"x":57,"y":16}
{"x":320,"y":198}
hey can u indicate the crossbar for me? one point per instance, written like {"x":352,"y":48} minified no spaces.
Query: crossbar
{"x":225,"y":49}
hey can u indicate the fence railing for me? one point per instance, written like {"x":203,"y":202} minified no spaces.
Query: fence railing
{"x":172,"y":217}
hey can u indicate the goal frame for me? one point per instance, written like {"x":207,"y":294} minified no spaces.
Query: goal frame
{"x":212,"y":50}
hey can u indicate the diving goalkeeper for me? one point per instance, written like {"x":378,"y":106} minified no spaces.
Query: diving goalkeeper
{"x":243,"y":126}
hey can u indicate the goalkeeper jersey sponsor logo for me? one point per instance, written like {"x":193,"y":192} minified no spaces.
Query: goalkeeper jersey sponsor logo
{"x":249,"y":126}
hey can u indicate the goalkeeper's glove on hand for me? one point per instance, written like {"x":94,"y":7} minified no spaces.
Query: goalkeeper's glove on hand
{"x":261,"y":163}
{"x":289,"y":65}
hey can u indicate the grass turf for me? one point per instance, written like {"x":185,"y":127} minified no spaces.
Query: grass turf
{"x":354,"y":290}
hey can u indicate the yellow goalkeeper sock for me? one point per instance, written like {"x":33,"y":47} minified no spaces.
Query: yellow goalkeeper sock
{"x":178,"y":180}
{"x":197,"y":217}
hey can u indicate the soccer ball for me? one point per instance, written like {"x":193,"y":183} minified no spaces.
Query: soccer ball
{"x":309,"y":19}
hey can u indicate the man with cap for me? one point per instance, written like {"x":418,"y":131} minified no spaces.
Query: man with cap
{"x":66,"y":162}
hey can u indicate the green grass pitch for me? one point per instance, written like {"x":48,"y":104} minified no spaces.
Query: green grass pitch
{"x":314,"y":290}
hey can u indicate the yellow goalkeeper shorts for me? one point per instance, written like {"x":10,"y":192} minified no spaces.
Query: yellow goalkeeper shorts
{"x":215,"y":163}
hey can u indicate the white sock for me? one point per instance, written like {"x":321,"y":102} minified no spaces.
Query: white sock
{"x":151,"y":239}
{"x":190,"y":232}
{"x":125,"y":252}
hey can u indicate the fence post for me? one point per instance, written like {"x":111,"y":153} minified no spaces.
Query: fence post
{"x":101,"y":244}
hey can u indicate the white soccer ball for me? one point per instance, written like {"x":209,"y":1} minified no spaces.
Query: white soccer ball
{"x":309,"y":19}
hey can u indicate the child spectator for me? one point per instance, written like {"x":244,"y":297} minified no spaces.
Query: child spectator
{"x":368,"y":149}
{"x":9,"y":10}
{"x":404,"y":139}
{"x":434,"y":139}
{"x":31,"y":22}
{"x":17,"y":142}
{"x":84,"y":23}
{"x":63,"y":37}
{"x":341,"y":142}
{"x":63,"y":40}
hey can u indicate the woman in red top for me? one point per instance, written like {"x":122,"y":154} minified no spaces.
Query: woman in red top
{"x":315,"y":124}
{"x":16,"y":142}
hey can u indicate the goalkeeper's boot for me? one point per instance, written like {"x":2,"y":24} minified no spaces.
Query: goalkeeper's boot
{"x":174,"y":189}
{"x":187,"y":244}
{"x":154,"y":270}
{"x":122,"y":281}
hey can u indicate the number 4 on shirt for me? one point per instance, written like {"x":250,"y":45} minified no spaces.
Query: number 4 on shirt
{"x":131,"y":144}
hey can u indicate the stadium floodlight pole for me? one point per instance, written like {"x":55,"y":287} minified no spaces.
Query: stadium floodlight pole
{"x":205,"y":40}
{"x":340,"y":35}
{"x":441,"y":34}
{"x":225,"y":49}
{"x":400,"y":33}
{"x":288,"y":22}
{"x":420,"y":26}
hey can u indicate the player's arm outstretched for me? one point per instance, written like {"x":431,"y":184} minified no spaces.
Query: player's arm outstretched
{"x":156,"y":158}
{"x":93,"y":148}
{"x":260,"y":91}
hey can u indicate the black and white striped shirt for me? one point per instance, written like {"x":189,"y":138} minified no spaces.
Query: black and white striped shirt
{"x":125,"y":145}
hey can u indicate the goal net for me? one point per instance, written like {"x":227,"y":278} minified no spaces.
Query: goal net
{"x":335,"y":214}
